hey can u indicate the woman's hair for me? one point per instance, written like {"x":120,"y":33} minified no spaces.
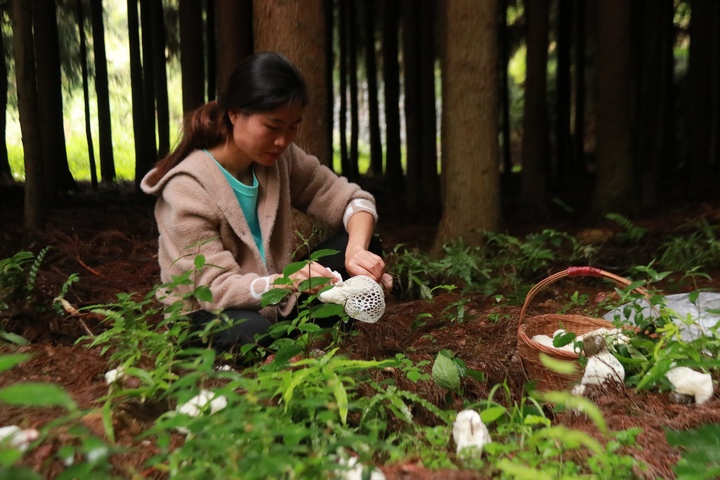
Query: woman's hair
{"x":261,"y":83}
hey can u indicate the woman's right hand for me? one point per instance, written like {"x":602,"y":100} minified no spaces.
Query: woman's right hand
{"x":312,"y":270}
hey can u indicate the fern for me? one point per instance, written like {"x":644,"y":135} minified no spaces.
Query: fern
{"x":632,"y":233}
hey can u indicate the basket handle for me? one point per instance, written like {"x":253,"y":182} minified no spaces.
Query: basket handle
{"x":576,"y":272}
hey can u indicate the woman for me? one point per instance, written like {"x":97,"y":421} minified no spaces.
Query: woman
{"x":227,"y":190}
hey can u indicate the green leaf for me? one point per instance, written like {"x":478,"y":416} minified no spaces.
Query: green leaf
{"x":580,"y":404}
{"x":14,"y":338}
{"x":203,"y":294}
{"x":445,"y":373}
{"x":9,"y":361}
{"x":325,"y":252}
{"x":327,"y":310}
{"x":560,"y":366}
{"x":35,"y":394}
{"x":491,"y":414}
{"x":274,"y":296}
{"x":340,"y":398}
{"x":293,"y":268}
{"x":199,"y":261}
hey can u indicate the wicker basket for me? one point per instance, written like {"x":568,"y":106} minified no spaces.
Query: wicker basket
{"x":529,"y":350}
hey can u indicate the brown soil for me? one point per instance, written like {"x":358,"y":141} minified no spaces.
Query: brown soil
{"x":109,"y":239}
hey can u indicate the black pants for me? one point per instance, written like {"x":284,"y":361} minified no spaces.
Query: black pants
{"x":248,"y":326}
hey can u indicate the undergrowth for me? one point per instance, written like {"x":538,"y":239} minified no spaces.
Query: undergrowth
{"x":307,"y":410}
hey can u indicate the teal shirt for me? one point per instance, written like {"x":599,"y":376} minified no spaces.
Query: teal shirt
{"x":247,"y":198}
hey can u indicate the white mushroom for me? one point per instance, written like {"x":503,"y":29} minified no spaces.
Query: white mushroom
{"x":469,"y":432}
{"x":199,"y":403}
{"x":354,"y":470}
{"x":362,"y":297}
{"x":690,"y":382}
{"x":548,"y":342}
{"x":602,"y":367}
{"x":18,"y":438}
{"x":114,"y":375}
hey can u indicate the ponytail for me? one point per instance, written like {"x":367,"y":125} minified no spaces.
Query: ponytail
{"x":203,"y":127}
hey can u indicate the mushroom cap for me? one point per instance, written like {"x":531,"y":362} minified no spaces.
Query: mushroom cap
{"x":362,"y":297}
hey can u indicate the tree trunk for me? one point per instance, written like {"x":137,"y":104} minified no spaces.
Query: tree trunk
{"x":578,"y":167}
{"x":329,"y":9}
{"x":148,"y":79}
{"x":86,"y":94}
{"x":297,"y":30}
{"x":5,"y":172}
{"x":470,"y":123}
{"x":504,"y":88}
{"x":56,"y":173}
{"x":563,"y":140}
{"x":142,"y":161}
{"x":535,"y":119}
{"x":430,"y":181}
{"x":235,"y":37}
{"x":391,"y":80}
{"x":26,"y":81}
{"x":699,"y":95}
{"x":192,"y":57}
{"x":656,"y":36}
{"x":102,"y":92}
{"x":613,"y":106}
{"x":342,"y":73}
{"x":352,"y":71}
{"x":413,"y":102}
{"x":211,"y":49}
{"x":160,"y":80}
{"x":376,"y":158}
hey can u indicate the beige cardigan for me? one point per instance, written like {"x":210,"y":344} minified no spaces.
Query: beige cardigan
{"x":197,"y":213}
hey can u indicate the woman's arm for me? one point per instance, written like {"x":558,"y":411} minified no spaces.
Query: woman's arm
{"x":358,"y":259}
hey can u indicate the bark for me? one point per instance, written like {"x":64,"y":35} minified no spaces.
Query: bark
{"x":413,"y":101}
{"x":656,"y":38}
{"x":342,"y":73}
{"x":297,"y":30}
{"x":211,"y":49}
{"x":376,"y":158}
{"x":578,"y":166}
{"x":102,"y":92}
{"x":535,"y":120}
{"x":136,"y":85}
{"x":5,"y":173}
{"x":56,"y":173}
{"x":148,"y":81}
{"x":699,"y":95}
{"x":470,"y":123}
{"x":391,"y":81}
{"x":329,"y":8}
{"x":235,"y":37}
{"x":352,"y":48}
{"x":563,"y":140}
{"x":192,"y":57}
{"x":86,"y":94}
{"x":504,"y":89}
{"x":613,"y":106}
{"x":160,"y":80}
{"x":429,"y":179}
{"x":26,"y":81}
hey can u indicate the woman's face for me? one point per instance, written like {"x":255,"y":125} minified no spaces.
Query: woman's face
{"x":263,"y":137}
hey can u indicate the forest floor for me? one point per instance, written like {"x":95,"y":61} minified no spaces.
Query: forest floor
{"x":109,"y":239}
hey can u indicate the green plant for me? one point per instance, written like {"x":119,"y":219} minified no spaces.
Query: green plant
{"x":699,"y":249}
{"x":18,"y":275}
{"x":83,"y":454}
{"x":632,"y":233}
{"x":700,"y":453}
